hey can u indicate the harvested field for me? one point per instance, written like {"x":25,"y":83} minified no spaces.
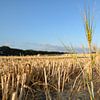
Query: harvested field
{"x":47,"y":78}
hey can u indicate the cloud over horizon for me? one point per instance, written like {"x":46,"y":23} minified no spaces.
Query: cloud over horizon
{"x":43,"y":47}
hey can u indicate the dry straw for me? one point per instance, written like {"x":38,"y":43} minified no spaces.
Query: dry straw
{"x":88,"y":21}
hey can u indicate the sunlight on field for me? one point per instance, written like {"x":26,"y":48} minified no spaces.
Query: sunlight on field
{"x":47,"y":77}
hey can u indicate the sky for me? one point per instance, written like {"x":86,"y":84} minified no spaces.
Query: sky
{"x":45,"y":24}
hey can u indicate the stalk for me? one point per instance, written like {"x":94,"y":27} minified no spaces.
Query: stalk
{"x":89,"y":35}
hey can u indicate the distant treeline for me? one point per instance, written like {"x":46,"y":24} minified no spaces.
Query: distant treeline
{"x":7,"y":51}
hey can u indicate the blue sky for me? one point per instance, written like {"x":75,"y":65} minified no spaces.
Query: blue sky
{"x":30,"y":23}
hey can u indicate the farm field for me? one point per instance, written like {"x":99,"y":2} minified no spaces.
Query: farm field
{"x":48,"y":77}
{"x":49,"y":50}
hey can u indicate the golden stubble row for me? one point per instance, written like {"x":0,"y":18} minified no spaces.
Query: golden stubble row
{"x":25,"y":76}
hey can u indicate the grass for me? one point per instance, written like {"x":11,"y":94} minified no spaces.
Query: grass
{"x":47,"y":78}
{"x":66,"y":77}
{"x":88,"y":21}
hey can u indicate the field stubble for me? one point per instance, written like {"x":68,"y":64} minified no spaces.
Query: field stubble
{"x":47,"y":78}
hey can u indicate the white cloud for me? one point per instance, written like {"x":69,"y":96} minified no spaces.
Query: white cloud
{"x":41,"y":47}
